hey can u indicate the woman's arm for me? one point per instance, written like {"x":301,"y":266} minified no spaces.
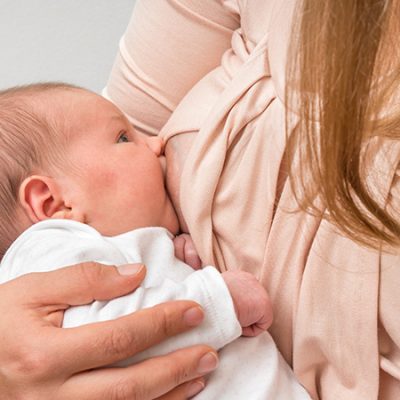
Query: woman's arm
{"x":39,"y":360}
{"x":167,"y":48}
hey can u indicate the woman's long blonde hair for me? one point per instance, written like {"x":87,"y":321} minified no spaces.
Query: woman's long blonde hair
{"x":343,"y":77}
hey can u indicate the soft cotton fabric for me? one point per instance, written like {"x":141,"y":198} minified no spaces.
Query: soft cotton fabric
{"x":216,"y":69}
{"x":250,"y":367}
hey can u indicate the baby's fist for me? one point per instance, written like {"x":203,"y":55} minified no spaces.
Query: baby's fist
{"x":252,"y":304}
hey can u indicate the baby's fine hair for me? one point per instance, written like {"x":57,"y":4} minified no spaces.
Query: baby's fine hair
{"x":31,"y":139}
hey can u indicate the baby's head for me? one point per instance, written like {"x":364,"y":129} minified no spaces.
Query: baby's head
{"x":68,"y":153}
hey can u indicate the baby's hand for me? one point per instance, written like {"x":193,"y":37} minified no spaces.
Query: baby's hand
{"x":185,"y":250}
{"x":252,"y":303}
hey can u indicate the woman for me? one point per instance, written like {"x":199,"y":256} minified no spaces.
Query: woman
{"x":311,"y":210}
{"x":318,"y":240}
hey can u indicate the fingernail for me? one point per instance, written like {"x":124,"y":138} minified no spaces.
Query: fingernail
{"x":194,"y":388}
{"x":130,"y":269}
{"x":207,"y":363}
{"x":194,"y":316}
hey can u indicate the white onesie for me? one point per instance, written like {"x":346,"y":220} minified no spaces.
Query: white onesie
{"x":250,"y":368}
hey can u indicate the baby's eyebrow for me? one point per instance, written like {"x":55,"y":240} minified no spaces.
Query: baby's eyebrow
{"x":118,"y":118}
{"x":115,"y":118}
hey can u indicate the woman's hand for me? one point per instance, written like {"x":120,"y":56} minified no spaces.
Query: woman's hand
{"x":40,"y":360}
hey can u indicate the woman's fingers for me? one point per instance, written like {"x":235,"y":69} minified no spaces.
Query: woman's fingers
{"x":145,"y":381}
{"x":105,"y":343}
{"x":47,"y":361}
{"x":185,"y":391}
{"x":81,"y":284}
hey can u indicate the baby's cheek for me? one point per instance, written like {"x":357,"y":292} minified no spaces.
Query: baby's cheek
{"x":103,"y":184}
{"x":107,"y":179}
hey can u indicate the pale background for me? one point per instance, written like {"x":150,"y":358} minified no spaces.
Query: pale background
{"x":73,"y":41}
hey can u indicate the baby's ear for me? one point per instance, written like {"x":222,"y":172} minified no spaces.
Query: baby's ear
{"x":41,"y":198}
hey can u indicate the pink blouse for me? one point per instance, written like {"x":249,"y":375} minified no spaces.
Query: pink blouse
{"x":215,"y":70}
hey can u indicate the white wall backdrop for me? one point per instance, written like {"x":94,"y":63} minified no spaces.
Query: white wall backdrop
{"x":60,"y":40}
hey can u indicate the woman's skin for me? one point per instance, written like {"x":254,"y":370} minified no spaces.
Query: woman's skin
{"x":176,"y":151}
{"x":39,"y":360}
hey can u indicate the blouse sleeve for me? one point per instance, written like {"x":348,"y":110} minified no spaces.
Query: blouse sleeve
{"x":167,"y":47}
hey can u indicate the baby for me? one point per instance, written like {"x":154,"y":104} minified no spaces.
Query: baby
{"x":78,"y":183}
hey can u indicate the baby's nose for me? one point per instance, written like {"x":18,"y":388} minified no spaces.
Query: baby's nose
{"x":156,"y":145}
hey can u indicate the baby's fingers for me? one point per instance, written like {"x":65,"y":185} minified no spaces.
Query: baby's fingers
{"x":261,"y":325}
{"x":191,"y":256}
{"x":186,"y":251}
{"x":253,"y":330}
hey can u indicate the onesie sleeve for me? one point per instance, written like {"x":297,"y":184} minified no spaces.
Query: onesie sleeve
{"x":167,"y":47}
{"x":206,"y":287}
{"x":54,"y":244}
